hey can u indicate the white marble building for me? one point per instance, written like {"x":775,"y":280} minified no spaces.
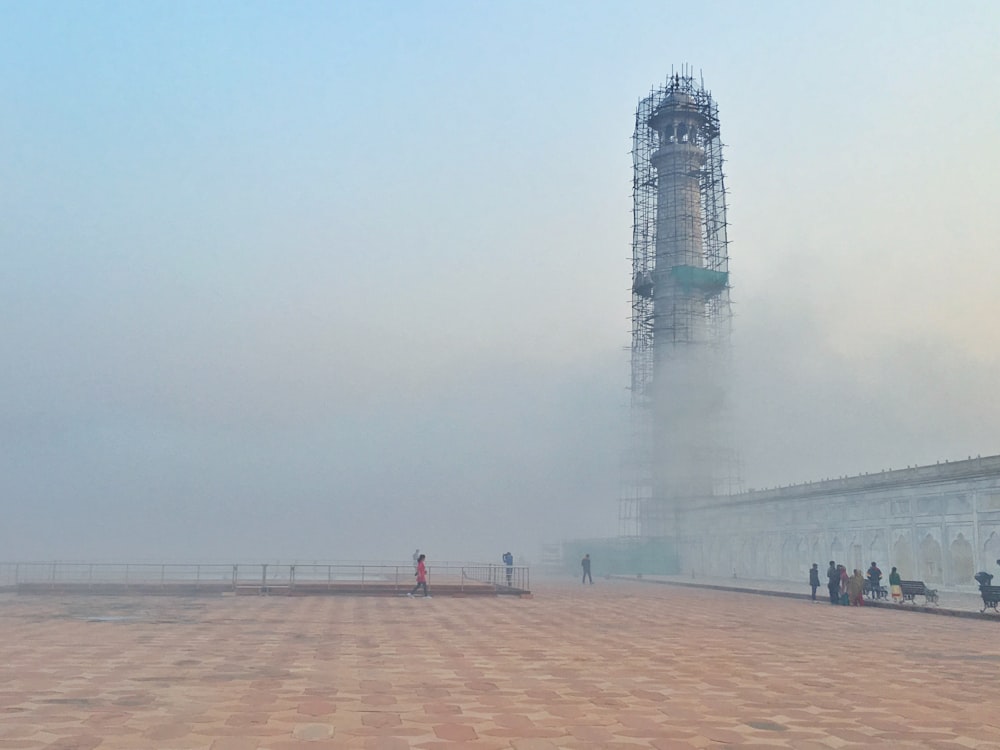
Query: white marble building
{"x":939,"y":524}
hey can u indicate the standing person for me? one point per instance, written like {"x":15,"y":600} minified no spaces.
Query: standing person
{"x":416,"y":557}
{"x":833,"y":582}
{"x":874,"y":580}
{"x":896,"y":585}
{"x":856,"y":589}
{"x":421,"y":578}
{"x":508,"y":560}
{"x":585,"y":563}
{"x":814,"y":579}
{"x":845,"y":597}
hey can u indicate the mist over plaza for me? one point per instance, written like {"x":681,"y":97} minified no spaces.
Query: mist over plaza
{"x":339,"y":281}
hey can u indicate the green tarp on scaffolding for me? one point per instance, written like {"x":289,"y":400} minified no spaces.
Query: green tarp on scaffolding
{"x":703,"y":279}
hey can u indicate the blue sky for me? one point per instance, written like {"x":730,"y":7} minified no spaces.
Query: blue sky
{"x":330,"y":280}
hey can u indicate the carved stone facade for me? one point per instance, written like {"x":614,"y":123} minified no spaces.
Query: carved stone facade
{"x":939,"y":524}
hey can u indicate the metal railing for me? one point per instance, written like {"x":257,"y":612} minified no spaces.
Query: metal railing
{"x":263,"y":577}
{"x":512,"y":577}
{"x":90,"y":575}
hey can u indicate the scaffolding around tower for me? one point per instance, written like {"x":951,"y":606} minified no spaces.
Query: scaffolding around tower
{"x":680,"y":285}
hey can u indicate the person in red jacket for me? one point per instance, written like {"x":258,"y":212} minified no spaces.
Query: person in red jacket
{"x":421,"y":578}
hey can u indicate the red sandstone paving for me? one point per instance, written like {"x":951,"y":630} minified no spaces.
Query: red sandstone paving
{"x":615,"y":665}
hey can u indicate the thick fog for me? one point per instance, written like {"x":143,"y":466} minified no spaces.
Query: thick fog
{"x":338,"y":281}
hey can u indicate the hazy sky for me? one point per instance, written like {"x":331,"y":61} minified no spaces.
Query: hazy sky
{"x":337,"y":280}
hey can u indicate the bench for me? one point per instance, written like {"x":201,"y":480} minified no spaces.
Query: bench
{"x":991,"y":597}
{"x":879,"y":593}
{"x":918,"y":588}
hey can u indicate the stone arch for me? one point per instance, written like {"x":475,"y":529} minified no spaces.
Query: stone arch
{"x":802,"y":554}
{"x":700,"y":545}
{"x":734,"y":558}
{"x":711,"y":547}
{"x":837,"y":550}
{"x":817,"y":554}
{"x":856,"y":556}
{"x":991,"y":551}
{"x":962,"y":565}
{"x":790,"y":561}
{"x":876,"y":548}
{"x":729,"y":556}
{"x":772,"y":557}
{"x":748,"y":559}
{"x":902,"y":557}
{"x":930,"y":560}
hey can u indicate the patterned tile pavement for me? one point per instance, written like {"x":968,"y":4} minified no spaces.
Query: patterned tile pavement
{"x":614,"y":665}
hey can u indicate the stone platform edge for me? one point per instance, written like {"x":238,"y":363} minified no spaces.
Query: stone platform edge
{"x":792,"y":595}
{"x":217,"y":590}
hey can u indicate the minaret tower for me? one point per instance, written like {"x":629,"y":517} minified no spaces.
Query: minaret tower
{"x":680,"y":304}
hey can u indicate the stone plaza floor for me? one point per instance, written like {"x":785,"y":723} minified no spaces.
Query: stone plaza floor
{"x":614,"y":665}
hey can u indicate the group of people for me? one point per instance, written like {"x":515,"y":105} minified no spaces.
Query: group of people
{"x":850,"y":589}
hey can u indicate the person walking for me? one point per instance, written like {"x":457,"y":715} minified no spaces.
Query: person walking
{"x":508,"y":560}
{"x":833,"y":582}
{"x":814,"y":579}
{"x":421,"y":575}
{"x":896,"y":585}
{"x":845,"y":597}
{"x":585,"y":563}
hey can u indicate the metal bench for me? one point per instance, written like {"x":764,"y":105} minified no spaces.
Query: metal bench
{"x":881,"y":592}
{"x":991,"y":597}
{"x":912,"y":589}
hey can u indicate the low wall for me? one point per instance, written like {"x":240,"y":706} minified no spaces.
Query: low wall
{"x":622,"y":555}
